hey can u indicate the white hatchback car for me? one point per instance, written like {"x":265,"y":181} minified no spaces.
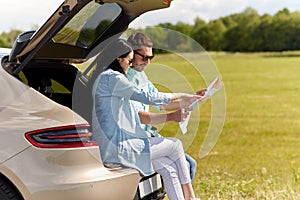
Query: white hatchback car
{"x":46,"y":146}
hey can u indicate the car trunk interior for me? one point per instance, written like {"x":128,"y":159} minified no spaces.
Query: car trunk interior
{"x":52,"y":79}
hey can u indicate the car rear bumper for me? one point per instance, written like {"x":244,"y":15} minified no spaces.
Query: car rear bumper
{"x":71,"y":174}
{"x":119,"y":187}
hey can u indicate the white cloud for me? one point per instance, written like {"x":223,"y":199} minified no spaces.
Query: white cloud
{"x":25,"y":14}
{"x":187,"y":11}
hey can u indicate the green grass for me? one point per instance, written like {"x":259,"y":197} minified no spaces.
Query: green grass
{"x":257,"y":155}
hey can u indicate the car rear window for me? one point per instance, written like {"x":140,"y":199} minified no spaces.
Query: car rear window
{"x":88,"y":24}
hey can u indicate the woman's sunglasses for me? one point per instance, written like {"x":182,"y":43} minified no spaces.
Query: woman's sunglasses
{"x":144,"y":58}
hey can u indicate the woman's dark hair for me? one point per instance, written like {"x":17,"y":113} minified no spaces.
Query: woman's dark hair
{"x":117,"y":49}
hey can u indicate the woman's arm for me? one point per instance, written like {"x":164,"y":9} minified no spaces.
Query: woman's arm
{"x":122,"y":87}
{"x":176,"y":104}
{"x":180,"y":100}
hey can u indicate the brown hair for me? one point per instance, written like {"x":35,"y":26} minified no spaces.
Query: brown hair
{"x":139,"y":41}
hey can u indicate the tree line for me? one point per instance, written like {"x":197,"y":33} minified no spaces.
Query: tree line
{"x":242,"y":32}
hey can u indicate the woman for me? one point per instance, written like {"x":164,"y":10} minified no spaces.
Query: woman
{"x":117,"y":127}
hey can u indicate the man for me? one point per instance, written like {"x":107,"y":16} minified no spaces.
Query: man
{"x":142,"y":46}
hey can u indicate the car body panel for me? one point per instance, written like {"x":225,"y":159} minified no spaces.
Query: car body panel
{"x":70,"y":174}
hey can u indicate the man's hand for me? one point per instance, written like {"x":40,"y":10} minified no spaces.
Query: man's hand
{"x":201,"y":92}
{"x":159,"y":118}
{"x":178,"y":116}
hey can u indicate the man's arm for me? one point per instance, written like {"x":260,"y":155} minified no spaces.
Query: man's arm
{"x":159,"y":118}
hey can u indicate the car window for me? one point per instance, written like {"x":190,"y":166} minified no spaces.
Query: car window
{"x":88,"y":24}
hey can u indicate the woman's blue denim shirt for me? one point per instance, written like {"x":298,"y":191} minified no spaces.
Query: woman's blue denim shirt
{"x":116,"y":125}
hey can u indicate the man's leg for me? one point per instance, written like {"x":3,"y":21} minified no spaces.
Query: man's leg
{"x":192,"y":164}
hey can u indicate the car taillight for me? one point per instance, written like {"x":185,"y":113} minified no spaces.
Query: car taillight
{"x":72,"y":136}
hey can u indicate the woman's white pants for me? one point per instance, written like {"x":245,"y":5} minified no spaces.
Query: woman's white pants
{"x":168,"y":159}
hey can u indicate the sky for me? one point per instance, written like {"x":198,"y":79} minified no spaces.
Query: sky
{"x":28,"y":14}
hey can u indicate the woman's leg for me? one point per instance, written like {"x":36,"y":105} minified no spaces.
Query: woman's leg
{"x":172,"y":149}
{"x":188,"y":191}
{"x":170,"y":178}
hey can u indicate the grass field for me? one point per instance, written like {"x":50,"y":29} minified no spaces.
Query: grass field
{"x":257,"y":155}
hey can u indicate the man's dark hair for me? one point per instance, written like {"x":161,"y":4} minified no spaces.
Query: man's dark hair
{"x":139,"y":41}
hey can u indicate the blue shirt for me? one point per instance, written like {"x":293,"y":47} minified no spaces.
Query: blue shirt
{"x":116,"y":125}
{"x":141,"y":81}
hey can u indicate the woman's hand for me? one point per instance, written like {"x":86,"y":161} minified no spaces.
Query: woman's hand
{"x":185,"y":100}
{"x":180,"y":101}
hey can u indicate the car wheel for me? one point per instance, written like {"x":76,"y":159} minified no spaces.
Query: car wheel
{"x":8,"y":191}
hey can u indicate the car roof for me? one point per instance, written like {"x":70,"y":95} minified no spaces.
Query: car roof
{"x":42,"y":43}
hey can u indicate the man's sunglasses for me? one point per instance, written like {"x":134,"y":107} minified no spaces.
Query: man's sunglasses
{"x":144,"y":58}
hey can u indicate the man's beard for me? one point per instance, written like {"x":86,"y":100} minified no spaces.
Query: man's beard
{"x":139,"y":68}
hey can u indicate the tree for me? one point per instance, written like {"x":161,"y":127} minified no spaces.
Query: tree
{"x":260,"y":34}
{"x":7,"y":38}
{"x":238,"y":38}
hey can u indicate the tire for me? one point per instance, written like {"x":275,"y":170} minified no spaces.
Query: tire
{"x":8,"y":191}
